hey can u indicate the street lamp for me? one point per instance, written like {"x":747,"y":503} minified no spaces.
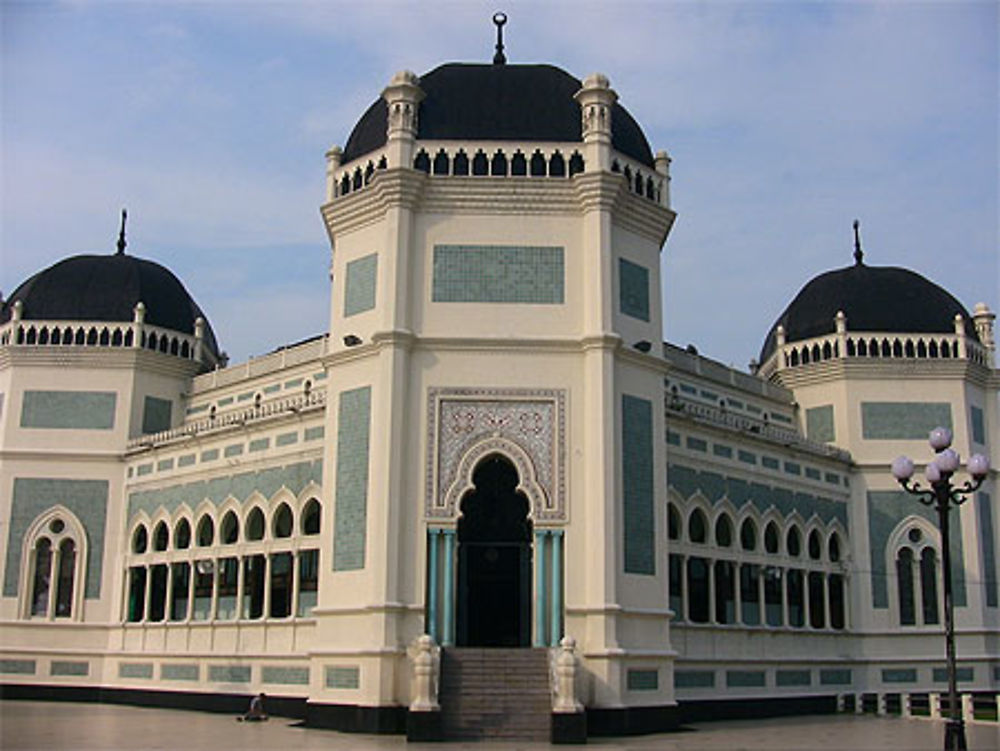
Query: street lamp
{"x":942,"y":494}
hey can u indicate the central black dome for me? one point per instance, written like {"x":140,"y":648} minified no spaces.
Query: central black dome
{"x":107,"y":288}
{"x":874,"y":298}
{"x":473,"y":102}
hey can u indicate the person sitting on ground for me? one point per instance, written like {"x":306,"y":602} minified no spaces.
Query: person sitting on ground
{"x":256,"y":712}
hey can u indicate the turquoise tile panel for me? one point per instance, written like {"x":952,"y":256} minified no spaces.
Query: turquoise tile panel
{"x":144,"y":469}
{"x":229,"y":673}
{"x":155,"y":414}
{"x":724,"y":451}
{"x":270,"y":389}
{"x":792,"y":468}
{"x":694,"y":679}
{"x":245,"y":396}
{"x":351,"y":490}
{"x":986,"y":536}
{"x":343,"y":677}
{"x":288,"y":676}
{"x":79,"y":410}
{"x":886,"y":509}
{"x":745,"y":679}
{"x":899,"y":675}
{"x":903,"y":420}
{"x":637,"y":485}
{"x":135,"y":670}
{"x":819,"y":424}
{"x":226,"y":400}
{"x":87,"y":499}
{"x":770,"y":462}
{"x":696,"y":444}
{"x":164,"y":465}
{"x":17,"y":667}
{"x":746,"y":457}
{"x":186,"y":461}
{"x":978,"y":426}
{"x":835,"y":677}
{"x":633,"y":289}
{"x":234,"y":449}
{"x":295,"y":382}
{"x":269,"y":481}
{"x":498,"y":274}
{"x":714,"y":486}
{"x":642,"y":680}
{"x":812,"y":473}
{"x":359,"y":285}
{"x":260,"y":444}
{"x":313,"y":434}
{"x":321,"y":376}
{"x":286,"y":439}
{"x":962,"y":674}
{"x":673,"y":439}
{"x":67,"y":667}
{"x":179,"y":672}
{"x":793,"y":678}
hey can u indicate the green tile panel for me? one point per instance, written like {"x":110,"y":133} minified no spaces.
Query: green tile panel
{"x":696,"y":444}
{"x":899,"y":675}
{"x":351,"y":489}
{"x":135,"y":670}
{"x":714,"y":486}
{"x":293,"y":383}
{"x":360,"y":282}
{"x":287,"y":439}
{"x":313,"y":434}
{"x":272,"y":388}
{"x":637,"y":485}
{"x":288,"y":676}
{"x":745,"y":679}
{"x":498,"y":274}
{"x":835,"y":677}
{"x":978,"y":426}
{"x":87,"y":499}
{"x":156,"y":414}
{"x":903,"y":420}
{"x":770,"y":462}
{"x":77,"y":410}
{"x":267,"y":482}
{"x":886,"y":509}
{"x":179,"y":672}
{"x":144,"y":469}
{"x":724,"y":451}
{"x":186,"y":461}
{"x":229,"y":673}
{"x":642,"y":680}
{"x":68,"y":667}
{"x":210,"y":455}
{"x":793,"y":678}
{"x":674,"y":439}
{"x":259,"y":444}
{"x":694,"y":679}
{"x":164,"y":465}
{"x":962,"y":674}
{"x":343,"y":677}
{"x":746,"y":457}
{"x":819,"y":424}
{"x":633,"y":289}
{"x":234,"y":449}
{"x":986,"y":536}
{"x":17,"y":667}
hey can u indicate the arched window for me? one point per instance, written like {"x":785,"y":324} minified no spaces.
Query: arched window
{"x":723,"y":531}
{"x":182,"y":535}
{"x":575,"y":163}
{"x":793,"y":544}
{"x":498,"y":165}
{"x":697,"y":526}
{"x":557,"y":165}
{"x":904,"y":577}
{"x":928,"y":585}
{"x":311,"y":518}
{"x":518,"y":164}
{"x":771,"y":538}
{"x":161,"y":536}
{"x":140,"y":539}
{"x":833,"y":548}
{"x":255,"y":525}
{"x":206,"y":531}
{"x":673,"y":522}
{"x":230,"y":529}
{"x":537,"y":164}
{"x":441,"y":163}
{"x":461,"y":164}
{"x":479,"y":163}
{"x":54,"y":547}
{"x":283,"y":521}
{"x":815,"y":547}
{"x":422,"y":162}
{"x":748,"y":535}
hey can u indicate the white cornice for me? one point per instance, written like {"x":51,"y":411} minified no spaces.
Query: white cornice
{"x":104,"y":358}
{"x":828,"y":371}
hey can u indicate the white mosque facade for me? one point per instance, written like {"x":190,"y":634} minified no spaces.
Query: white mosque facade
{"x":490,"y":447}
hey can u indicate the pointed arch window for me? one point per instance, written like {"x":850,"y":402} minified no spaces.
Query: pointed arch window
{"x":53,"y":553}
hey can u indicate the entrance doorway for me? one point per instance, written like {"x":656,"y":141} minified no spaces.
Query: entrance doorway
{"x":494,"y":559}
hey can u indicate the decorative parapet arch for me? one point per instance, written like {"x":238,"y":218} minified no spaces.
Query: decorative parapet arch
{"x":528,"y":426}
{"x":527,"y":481}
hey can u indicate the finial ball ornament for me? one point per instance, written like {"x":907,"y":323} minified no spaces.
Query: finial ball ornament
{"x":940,"y":439}
{"x":902,"y":468}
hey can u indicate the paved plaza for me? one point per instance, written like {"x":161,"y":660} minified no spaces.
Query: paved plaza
{"x":99,"y":727}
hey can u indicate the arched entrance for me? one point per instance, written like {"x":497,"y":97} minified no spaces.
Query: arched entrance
{"x":494,"y":559}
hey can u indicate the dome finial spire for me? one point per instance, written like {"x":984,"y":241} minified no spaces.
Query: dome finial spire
{"x":121,"y":235}
{"x":858,"y":253}
{"x":499,"y":19}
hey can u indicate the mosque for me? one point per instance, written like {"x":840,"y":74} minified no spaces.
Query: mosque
{"x":489,"y":501}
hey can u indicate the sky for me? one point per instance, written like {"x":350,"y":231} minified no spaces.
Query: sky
{"x":785,"y":120}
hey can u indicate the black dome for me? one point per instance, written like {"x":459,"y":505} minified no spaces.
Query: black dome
{"x":107,"y":288}
{"x":498,"y":103}
{"x":874,"y":298}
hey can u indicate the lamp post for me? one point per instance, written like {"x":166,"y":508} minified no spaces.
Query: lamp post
{"x":942,"y":495}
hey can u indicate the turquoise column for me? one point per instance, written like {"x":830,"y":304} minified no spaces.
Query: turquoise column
{"x":448,"y":589}
{"x":432,"y":583}
{"x":556,"y":587}
{"x":540,"y":578}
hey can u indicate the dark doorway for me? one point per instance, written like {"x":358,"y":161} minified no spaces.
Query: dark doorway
{"x":494,"y":560}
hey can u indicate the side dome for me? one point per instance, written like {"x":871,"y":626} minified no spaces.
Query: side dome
{"x":884,"y":299}
{"x":107,"y":288}
{"x":474,"y":102}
